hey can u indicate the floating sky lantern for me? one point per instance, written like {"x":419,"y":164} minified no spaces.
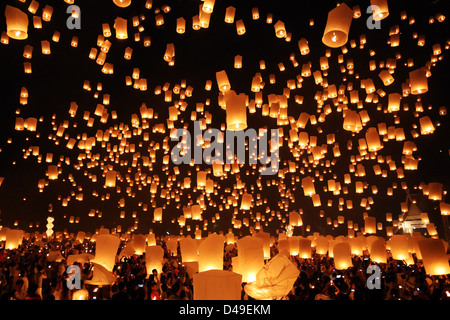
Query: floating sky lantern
{"x":16,"y":23}
{"x":338,"y":26}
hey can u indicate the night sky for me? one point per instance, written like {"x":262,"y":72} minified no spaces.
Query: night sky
{"x":57,"y":80}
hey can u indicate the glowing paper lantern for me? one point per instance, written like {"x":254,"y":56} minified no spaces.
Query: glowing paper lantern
{"x":352,"y":121}
{"x":251,"y":257}
{"x":394,"y":102}
{"x":378,"y":251}
{"x":280,"y":30}
{"x":222,"y":81}
{"x":139,"y":244}
{"x":170,"y":53}
{"x":418,"y":81}
{"x":304,"y":50}
{"x":275,"y":280}
{"x":211,"y":253}
{"x":246,"y":201}
{"x":370,"y":225}
{"x":157,"y":214}
{"x":3,"y":232}
{"x":400,"y":246}
{"x":81,"y":294}
{"x":49,"y":226}
{"x":308,"y":186}
{"x":435,"y":259}
{"x":426,"y":125}
{"x":80,"y":236}
{"x":236,"y":108}
{"x":217,"y":285}
{"x":431,"y":229}
{"x":101,"y":276}
{"x":181,"y":25}
{"x":295,"y":219}
{"x":196,"y":212}
{"x":380,"y":9}
{"x":445,"y":208}
{"x":154,"y":259}
{"x":229,"y":14}
{"x":13,"y":239}
{"x":122,"y":3}
{"x":172,"y":245}
{"x":120,"y":25}
{"x":189,"y":250}
{"x":435,"y":191}
{"x":106,"y":246}
{"x":240,"y":27}
{"x":110,"y":180}
{"x":304,"y":248}
{"x":342,"y":256}
{"x":16,"y":23}
{"x":208,"y":6}
{"x":386,"y":77}
{"x":151,"y":240}
{"x":321,"y":245}
{"x":338,"y":26}
{"x":265,"y":236}
{"x":357,"y":245}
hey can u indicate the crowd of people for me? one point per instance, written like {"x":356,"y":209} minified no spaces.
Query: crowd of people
{"x":27,"y":274}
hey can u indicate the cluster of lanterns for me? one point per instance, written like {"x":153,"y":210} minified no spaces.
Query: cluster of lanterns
{"x":313,"y":152}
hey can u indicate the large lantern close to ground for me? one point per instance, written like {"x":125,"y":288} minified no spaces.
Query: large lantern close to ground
{"x":342,"y":256}
{"x":275,"y":280}
{"x":139,"y":244}
{"x":13,"y":239}
{"x":106,"y":246}
{"x":400,"y":245}
{"x":251,"y":257}
{"x":189,"y":250}
{"x":434,"y":256}
{"x":154,"y":259}
{"x":217,"y":285}
{"x":211,"y":253}
{"x":304,"y":248}
{"x":378,"y":251}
